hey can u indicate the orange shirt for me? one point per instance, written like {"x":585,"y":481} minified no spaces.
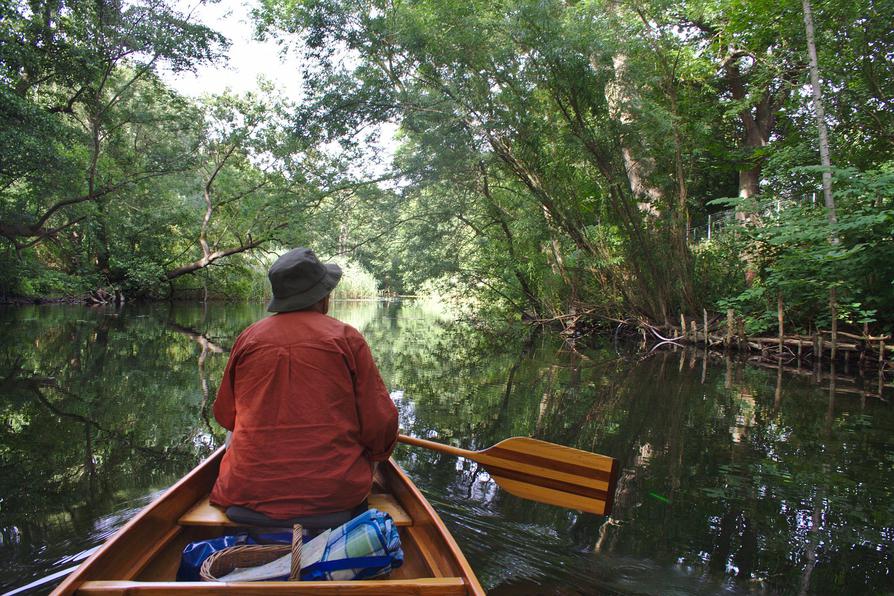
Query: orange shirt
{"x":309,"y":413}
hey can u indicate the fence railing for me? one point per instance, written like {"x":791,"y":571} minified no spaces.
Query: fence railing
{"x":719,"y":220}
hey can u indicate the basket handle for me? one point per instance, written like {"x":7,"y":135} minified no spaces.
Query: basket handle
{"x":297,"y":543}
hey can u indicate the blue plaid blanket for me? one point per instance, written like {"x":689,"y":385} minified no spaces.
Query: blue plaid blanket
{"x":365,"y":547}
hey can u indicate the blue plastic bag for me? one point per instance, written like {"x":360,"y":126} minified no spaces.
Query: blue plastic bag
{"x":195,"y":554}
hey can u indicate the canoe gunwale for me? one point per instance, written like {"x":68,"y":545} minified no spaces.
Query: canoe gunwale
{"x":442,"y":586}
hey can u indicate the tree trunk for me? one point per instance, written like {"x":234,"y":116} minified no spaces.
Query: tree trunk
{"x":825,"y":158}
{"x":757,"y":125}
{"x":620,"y":95}
{"x":749,"y":185}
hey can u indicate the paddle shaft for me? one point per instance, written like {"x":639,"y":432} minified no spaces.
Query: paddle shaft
{"x":437,"y":446}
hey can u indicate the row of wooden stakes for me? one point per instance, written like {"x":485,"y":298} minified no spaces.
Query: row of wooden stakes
{"x":869,"y":349}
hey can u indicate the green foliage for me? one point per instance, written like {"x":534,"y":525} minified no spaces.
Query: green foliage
{"x":801,"y":256}
{"x":27,"y":276}
{"x":717,"y":271}
{"x":356,"y":281}
{"x":519,"y":194}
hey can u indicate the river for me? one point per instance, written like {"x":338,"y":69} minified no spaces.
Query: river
{"x":734,"y":479}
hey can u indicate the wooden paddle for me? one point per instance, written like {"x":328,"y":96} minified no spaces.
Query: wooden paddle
{"x":543,"y":472}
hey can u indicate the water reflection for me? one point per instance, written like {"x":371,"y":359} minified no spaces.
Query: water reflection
{"x":734,"y":479}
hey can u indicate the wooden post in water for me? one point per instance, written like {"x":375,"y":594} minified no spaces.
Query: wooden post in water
{"x":881,"y":368}
{"x":779,"y":316}
{"x":705,"y":320}
{"x":819,"y":346}
{"x":729,"y":329}
{"x":863,"y":346}
{"x":683,"y":325}
{"x":694,"y":327}
{"x":833,"y":307}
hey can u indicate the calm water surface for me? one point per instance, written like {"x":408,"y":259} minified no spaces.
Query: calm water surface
{"x":734,"y":479}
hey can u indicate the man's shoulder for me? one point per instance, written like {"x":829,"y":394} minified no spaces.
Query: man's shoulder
{"x":257,"y":328}
{"x":299,"y":327}
{"x":341,"y":326}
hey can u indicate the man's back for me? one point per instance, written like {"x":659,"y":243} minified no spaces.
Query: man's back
{"x":309,"y":413}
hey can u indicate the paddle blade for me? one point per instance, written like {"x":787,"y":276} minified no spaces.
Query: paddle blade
{"x":552,"y":474}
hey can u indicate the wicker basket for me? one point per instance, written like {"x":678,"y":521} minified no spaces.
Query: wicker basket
{"x":226,"y":560}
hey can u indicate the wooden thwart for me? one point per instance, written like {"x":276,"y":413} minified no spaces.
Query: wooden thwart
{"x":204,"y":513}
{"x":543,"y":472}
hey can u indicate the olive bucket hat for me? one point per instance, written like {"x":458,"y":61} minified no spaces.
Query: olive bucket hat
{"x":300,"y":280}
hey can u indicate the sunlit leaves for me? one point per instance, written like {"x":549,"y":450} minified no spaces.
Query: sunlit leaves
{"x":799,"y":260}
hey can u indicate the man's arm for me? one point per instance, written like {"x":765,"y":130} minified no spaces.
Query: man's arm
{"x":375,"y":409}
{"x":225,"y":403}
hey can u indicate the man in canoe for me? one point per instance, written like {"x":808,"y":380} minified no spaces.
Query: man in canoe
{"x":307,"y":408}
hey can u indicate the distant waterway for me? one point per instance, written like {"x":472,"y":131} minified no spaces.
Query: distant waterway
{"x":734,"y":479}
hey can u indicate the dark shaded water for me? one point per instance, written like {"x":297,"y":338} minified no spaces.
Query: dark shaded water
{"x":734,"y":479}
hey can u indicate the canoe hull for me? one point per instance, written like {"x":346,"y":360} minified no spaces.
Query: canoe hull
{"x":143,"y":556}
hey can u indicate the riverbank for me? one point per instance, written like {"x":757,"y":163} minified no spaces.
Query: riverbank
{"x":864,"y":351}
{"x":27,"y":301}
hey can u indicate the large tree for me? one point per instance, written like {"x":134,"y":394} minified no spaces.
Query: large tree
{"x":85,"y":120}
{"x":552,"y":105}
{"x":577,"y":141}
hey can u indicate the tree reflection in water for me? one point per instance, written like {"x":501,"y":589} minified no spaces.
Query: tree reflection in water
{"x":734,"y":479}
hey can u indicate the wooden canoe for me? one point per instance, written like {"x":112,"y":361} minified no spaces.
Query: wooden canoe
{"x":143,"y":556}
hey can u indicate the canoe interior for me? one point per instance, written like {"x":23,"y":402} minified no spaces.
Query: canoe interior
{"x":144,"y":555}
